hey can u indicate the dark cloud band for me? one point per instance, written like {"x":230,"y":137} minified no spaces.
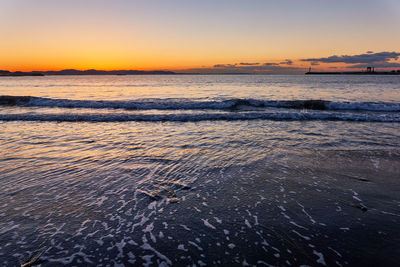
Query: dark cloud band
{"x":368,"y":57}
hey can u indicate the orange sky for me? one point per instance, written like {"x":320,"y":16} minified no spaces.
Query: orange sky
{"x":54,"y":35}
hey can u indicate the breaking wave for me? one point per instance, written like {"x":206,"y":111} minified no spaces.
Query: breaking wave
{"x":187,"y":104}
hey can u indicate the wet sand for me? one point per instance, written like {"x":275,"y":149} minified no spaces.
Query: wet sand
{"x":332,"y":208}
{"x":318,"y":208}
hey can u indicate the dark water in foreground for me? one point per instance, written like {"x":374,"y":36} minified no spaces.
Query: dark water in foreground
{"x":183,"y":170}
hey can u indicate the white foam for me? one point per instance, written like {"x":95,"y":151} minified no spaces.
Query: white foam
{"x":282,"y":208}
{"x":297,"y":225}
{"x":206,"y":223}
{"x":201,"y":263}
{"x":182,"y":247}
{"x":152,"y":205}
{"x":247,"y":223}
{"x":302,"y":236}
{"x":321,"y":259}
{"x":146,"y":246}
{"x":305,"y":212}
{"x":231,"y":245}
{"x":218,"y":220}
{"x":195,"y":245}
{"x":185,"y":227}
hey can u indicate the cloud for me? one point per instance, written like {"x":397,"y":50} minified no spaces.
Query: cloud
{"x":224,"y":66}
{"x":270,"y":64}
{"x":248,"y":64}
{"x":368,"y":58}
{"x":287,"y":62}
{"x":390,"y":60}
{"x":377,"y":65}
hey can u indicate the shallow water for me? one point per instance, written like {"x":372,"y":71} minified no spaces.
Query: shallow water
{"x":96,"y":171}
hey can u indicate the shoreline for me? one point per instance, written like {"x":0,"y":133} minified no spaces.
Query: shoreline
{"x":291,"y":208}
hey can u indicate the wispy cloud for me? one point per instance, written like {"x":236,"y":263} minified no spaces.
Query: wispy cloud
{"x":270,"y":64}
{"x":287,"y":62}
{"x":377,"y":65}
{"x":224,"y":65}
{"x":248,"y":64}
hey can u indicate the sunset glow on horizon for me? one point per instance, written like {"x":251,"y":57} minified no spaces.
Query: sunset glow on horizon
{"x":192,"y":35}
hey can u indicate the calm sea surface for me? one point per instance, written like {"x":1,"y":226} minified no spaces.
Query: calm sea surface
{"x":204,"y":169}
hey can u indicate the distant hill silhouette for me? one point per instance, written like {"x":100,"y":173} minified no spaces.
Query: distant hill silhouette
{"x":20,"y":73}
{"x":84,"y":72}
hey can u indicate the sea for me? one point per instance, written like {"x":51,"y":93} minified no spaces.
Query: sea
{"x":200,"y":170}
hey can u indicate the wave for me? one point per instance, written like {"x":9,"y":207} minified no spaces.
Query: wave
{"x":298,"y":116}
{"x":187,"y":104}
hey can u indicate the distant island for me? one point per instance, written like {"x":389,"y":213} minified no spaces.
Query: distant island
{"x":84,"y":72}
{"x":19,"y":73}
{"x":368,"y":71}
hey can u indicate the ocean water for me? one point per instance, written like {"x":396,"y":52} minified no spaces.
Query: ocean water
{"x":182,"y":170}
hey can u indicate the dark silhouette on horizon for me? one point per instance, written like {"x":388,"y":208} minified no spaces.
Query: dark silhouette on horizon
{"x":85,"y":72}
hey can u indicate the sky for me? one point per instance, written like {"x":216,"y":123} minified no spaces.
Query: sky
{"x":209,"y":36}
